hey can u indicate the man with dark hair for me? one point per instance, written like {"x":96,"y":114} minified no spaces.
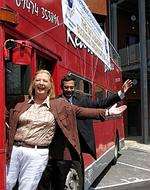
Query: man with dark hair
{"x":85,"y":127}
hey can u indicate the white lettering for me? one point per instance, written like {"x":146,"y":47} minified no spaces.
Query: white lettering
{"x":69,"y":38}
{"x":18,"y":3}
{"x":34,"y":9}
{"x":28,"y":5}
{"x":76,"y":42}
{"x":33,"y":5}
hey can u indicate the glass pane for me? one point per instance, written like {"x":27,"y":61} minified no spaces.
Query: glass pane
{"x":83,"y":86}
{"x":17,"y":83}
{"x":99,"y":93}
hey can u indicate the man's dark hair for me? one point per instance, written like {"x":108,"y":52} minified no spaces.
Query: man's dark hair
{"x":67,"y":78}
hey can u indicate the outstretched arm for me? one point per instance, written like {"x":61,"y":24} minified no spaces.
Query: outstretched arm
{"x":108,"y":101}
{"x":91,"y":113}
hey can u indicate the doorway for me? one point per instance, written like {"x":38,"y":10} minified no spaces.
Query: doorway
{"x":47,"y":63}
{"x":134,"y":119}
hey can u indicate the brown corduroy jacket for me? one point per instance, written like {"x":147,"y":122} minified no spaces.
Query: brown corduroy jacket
{"x":66,"y":134}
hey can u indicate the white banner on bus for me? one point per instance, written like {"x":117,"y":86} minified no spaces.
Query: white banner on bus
{"x":78,"y":18}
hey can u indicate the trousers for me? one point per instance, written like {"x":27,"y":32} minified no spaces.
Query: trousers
{"x":26,"y":166}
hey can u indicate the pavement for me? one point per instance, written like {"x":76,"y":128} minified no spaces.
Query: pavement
{"x":137,"y":143}
{"x":132,"y":171}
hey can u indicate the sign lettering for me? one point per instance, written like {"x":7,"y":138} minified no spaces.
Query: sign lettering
{"x":35,"y":9}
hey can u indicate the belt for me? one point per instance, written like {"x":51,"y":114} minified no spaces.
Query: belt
{"x":24,"y":144}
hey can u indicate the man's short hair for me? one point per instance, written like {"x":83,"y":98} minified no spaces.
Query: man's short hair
{"x":67,"y":78}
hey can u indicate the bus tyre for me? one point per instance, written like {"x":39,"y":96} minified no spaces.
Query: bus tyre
{"x":74,"y":179}
{"x":116,"y":151}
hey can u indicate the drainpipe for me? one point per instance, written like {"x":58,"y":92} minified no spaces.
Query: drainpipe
{"x":143,"y":71}
{"x":113,"y":23}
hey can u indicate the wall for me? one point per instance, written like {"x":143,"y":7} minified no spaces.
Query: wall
{"x":97,"y":6}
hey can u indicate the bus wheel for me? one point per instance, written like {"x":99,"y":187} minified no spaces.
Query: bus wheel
{"x":116,"y":151}
{"x":74,"y":179}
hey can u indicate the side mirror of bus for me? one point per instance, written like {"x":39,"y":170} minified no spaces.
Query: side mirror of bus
{"x":10,"y":44}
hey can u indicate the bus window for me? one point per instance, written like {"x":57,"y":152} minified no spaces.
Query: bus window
{"x":17,"y":83}
{"x":99,"y":93}
{"x":87,"y":87}
{"x":83,"y":86}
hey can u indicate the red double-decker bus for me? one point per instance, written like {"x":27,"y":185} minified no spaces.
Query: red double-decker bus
{"x":62,"y":37}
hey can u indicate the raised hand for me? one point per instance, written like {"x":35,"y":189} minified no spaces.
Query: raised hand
{"x":127,"y":85}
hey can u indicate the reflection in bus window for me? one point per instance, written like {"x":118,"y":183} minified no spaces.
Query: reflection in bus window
{"x":109,"y":93}
{"x":83,"y":86}
{"x":99,"y":93}
{"x":17,"y":83}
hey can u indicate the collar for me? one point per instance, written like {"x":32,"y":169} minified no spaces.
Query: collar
{"x":45,"y":102}
{"x":70,"y":99}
